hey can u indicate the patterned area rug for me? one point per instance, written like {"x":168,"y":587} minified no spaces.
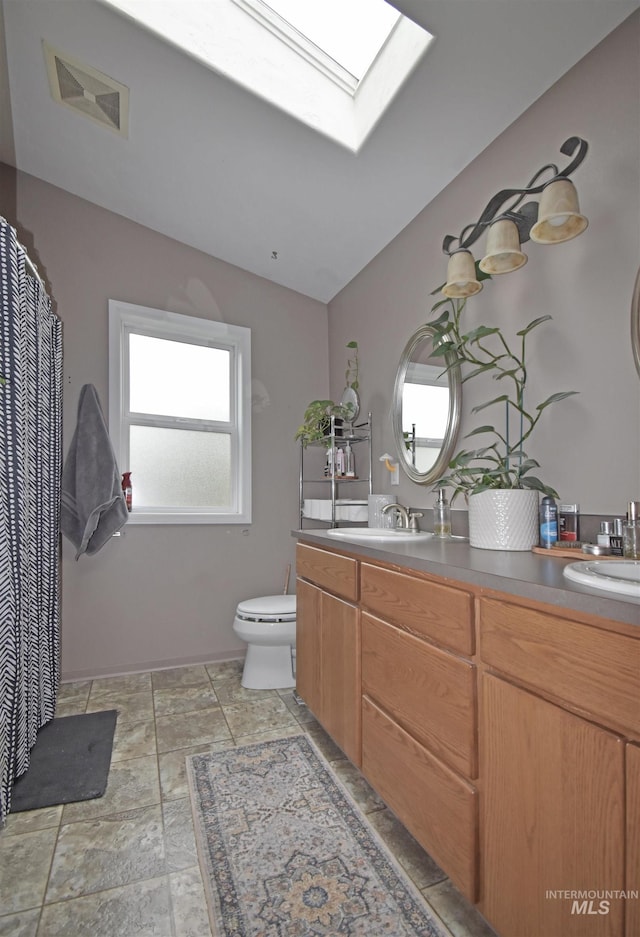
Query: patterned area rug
{"x":286,"y":852}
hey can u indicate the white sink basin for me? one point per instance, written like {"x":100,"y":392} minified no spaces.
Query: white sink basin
{"x":379,"y":534}
{"x":621,"y":576}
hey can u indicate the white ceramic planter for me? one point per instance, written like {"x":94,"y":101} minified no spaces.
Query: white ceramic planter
{"x":504,"y":519}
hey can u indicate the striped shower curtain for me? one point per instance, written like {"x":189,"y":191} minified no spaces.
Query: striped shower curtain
{"x":30,"y":471}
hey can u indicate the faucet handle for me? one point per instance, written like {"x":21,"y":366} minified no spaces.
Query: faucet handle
{"x":413,"y":519}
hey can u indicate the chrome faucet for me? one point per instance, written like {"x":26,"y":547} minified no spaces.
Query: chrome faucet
{"x":408,"y":519}
{"x":403,"y":514}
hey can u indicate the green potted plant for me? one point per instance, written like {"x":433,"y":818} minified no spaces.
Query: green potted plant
{"x":316,"y":425}
{"x":501,"y":463}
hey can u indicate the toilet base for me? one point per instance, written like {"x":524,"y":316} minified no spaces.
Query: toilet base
{"x":268,"y":667}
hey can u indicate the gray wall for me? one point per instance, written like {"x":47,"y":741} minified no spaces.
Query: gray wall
{"x":589,"y":445}
{"x":162,"y":595}
{"x":165,"y":595}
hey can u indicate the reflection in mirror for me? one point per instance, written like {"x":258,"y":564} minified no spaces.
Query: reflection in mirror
{"x":426,"y":409}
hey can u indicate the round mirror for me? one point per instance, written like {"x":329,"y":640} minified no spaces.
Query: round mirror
{"x":426,"y":408}
{"x":635,"y":323}
{"x":351,"y":401}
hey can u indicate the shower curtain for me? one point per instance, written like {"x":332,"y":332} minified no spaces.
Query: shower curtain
{"x":30,"y":472}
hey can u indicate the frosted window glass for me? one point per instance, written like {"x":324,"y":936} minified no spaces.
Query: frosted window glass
{"x":178,"y":379}
{"x":180,"y":468}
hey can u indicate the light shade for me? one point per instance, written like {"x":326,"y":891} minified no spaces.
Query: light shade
{"x":559,"y":217}
{"x":461,"y":276}
{"x":503,"y":248}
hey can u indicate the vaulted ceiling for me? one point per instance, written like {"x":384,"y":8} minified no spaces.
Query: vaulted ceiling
{"x":210,"y":164}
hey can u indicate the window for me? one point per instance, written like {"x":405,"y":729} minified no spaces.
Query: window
{"x":179,"y":415}
{"x":334,"y":35}
{"x":335,"y":65}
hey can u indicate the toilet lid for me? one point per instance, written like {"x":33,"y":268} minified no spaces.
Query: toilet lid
{"x":268,"y":608}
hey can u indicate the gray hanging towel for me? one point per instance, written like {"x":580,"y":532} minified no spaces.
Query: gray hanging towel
{"x":93,"y":504}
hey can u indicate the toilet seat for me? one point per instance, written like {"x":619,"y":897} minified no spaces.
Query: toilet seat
{"x":268,"y":608}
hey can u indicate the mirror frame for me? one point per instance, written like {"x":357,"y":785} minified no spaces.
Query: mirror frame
{"x":438,"y":468}
{"x":635,"y":323}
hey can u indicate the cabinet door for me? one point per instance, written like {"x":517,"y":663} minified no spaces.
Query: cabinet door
{"x":552,"y":817}
{"x":328,"y":664}
{"x":633,"y":840}
{"x":341,"y":675}
{"x":308,"y":645}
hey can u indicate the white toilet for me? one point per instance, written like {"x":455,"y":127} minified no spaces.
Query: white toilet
{"x":268,"y":625}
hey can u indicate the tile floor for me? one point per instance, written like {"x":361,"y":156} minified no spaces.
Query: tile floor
{"x":125,"y":865}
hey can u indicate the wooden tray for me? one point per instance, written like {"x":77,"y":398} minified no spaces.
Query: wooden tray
{"x":575,"y":553}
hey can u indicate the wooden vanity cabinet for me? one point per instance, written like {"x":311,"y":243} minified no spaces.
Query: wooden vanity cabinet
{"x":503,"y":733}
{"x":328,"y":645}
{"x":419,"y":713}
{"x":558,"y":700}
{"x":633,"y":839}
{"x":553,"y":816}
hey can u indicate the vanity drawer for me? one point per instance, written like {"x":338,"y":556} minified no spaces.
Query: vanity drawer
{"x":429,"y":692}
{"x":594,"y":670}
{"x":331,"y":571}
{"x":439,"y":808}
{"x":438,"y":612}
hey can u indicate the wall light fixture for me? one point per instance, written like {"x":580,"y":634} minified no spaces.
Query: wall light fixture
{"x":511,"y":221}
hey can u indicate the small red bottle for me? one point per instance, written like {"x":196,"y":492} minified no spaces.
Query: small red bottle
{"x":126,"y":487}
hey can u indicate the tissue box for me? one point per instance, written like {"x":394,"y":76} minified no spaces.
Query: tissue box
{"x":346,"y":509}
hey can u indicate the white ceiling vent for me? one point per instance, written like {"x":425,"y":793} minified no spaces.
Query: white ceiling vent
{"x":87,"y":90}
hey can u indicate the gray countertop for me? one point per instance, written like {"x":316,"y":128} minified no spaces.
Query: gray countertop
{"x":526,"y":574}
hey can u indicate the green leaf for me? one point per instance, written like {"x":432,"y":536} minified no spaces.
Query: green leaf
{"x":481,"y":429}
{"x":555,"y":397}
{"x":532,"y":482}
{"x":526,"y":466}
{"x":441,"y":350}
{"x":533,"y":325}
{"x":483,"y":367}
{"x":481,"y":332}
{"x":442,"y":318}
{"x":489,"y":403}
{"x":352,"y":344}
{"x":511,"y":373}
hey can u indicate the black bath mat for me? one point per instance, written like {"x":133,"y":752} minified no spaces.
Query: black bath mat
{"x":69,"y":762}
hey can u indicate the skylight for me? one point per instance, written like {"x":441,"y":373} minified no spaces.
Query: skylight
{"x":334,"y":65}
{"x":351,"y":32}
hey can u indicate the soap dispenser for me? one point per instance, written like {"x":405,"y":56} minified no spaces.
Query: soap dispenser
{"x":442,"y":517}
{"x":631,"y":532}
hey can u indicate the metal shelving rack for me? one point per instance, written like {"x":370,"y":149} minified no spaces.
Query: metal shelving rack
{"x":338,"y":436}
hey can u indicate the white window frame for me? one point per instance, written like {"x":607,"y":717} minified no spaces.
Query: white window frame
{"x":125,"y":318}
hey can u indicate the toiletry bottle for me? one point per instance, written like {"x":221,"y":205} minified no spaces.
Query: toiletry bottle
{"x":349,"y":462}
{"x":442,"y":517}
{"x":616,"y":538}
{"x":127,"y":490}
{"x":568,"y":522}
{"x":604,"y":536}
{"x":339,"y":461}
{"x":631,"y":532}
{"x":548,"y":522}
{"x":330,"y":464}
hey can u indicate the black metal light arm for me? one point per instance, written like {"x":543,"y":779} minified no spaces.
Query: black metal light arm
{"x":526,"y":215}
